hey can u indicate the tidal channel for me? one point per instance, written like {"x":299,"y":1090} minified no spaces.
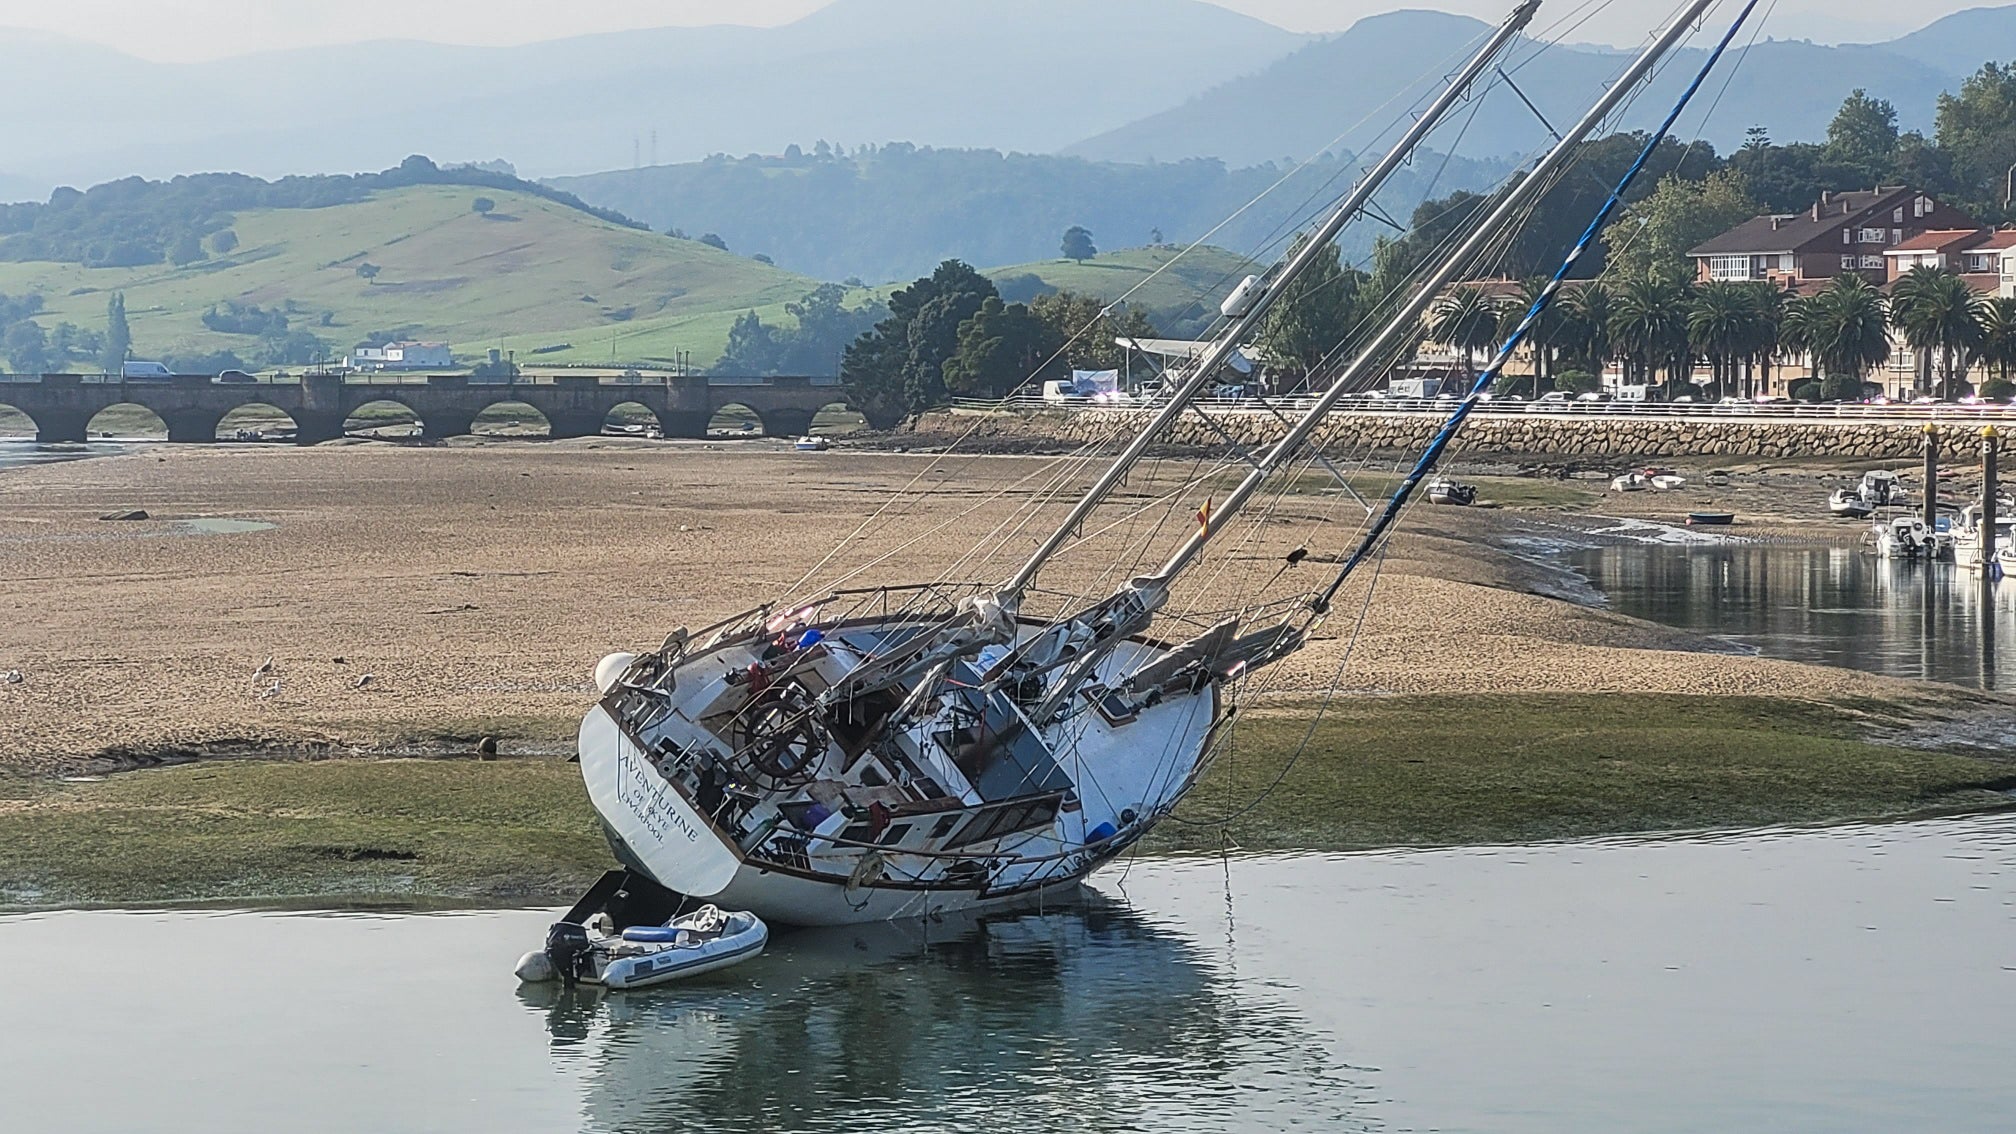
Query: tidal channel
{"x":1840,"y":979}
{"x":1836,"y":606}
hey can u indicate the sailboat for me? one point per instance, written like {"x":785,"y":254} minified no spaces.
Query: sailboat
{"x":912,"y":749}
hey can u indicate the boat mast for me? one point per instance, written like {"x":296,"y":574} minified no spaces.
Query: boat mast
{"x":1245,"y":321}
{"x":1086,"y":637}
{"x":1403,"y":322}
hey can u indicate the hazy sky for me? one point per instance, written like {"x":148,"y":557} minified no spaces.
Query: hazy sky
{"x":207,"y":29}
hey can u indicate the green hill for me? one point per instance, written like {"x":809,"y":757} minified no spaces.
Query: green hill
{"x":532,"y":274}
{"x":1177,"y":291}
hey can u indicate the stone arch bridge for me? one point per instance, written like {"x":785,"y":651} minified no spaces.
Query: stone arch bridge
{"x":62,"y":405}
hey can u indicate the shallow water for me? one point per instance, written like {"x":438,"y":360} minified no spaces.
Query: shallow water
{"x":1832,"y":605}
{"x":17,"y":453}
{"x":1854,"y":978}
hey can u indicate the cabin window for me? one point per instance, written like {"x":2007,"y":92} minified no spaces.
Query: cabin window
{"x":858,"y":833}
{"x":895,"y":834}
{"x":944,"y":825}
{"x":1007,"y":819}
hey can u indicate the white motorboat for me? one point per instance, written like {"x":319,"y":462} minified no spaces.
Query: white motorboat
{"x":1851,"y":503}
{"x":1631,"y":482}
{"x":812,"y":444}
{"x":640,"y":956}
{"x":1969,"y":540}
{"x":1882,"y":489}
{"x":1442,"y":490}
{"x":1906,"y":537}
{"x":962,"y":743}
{"x":1667,"y":482}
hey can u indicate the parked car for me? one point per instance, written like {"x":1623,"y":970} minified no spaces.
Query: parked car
{"x":1551,"y":402}
{"x":235,"y":377}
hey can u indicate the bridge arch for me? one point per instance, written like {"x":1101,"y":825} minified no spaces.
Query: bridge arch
{"x":509,"y":417}
{"x":387,"y":418}
{"x":256,"y":417}
{"x":631,"y":418}
{"x":737,"y":419}
{"x":837,"y":417}
{"x":127,"y":419}
{"x":17,"y":423}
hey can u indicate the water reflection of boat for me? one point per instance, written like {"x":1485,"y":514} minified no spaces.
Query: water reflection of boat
{"x":1057,"y":1017}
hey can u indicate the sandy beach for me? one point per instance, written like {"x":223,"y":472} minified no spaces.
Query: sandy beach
{"x":477,"y":585}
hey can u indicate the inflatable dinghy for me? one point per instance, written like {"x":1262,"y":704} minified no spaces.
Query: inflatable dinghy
{"x":644,"y":955}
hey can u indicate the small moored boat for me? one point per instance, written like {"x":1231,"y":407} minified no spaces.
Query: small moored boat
{"x":1710,"y":519}
{"x":1850,"y":503}
{"x":812,"y":444}
{"x":1444,"y":491}
{"x":640,"y":956}
{"x":1631,"y":482}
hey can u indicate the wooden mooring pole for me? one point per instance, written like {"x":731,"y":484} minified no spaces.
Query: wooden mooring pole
{"x":1931,"y":505}
{"x":1989,"y":566}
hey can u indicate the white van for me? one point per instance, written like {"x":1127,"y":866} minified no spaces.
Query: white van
{"x":145,"y":371}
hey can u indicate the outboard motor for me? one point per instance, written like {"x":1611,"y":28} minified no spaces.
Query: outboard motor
{"x":567,"y":948}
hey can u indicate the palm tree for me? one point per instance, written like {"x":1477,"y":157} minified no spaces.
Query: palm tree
{"x":1845,"y":327}
{"x":1584,"y":336}
{"x":1937,"y":313}
{"x":1648,"y":326}
{"x":1722,"y":326}
{"x":1998,"y":336}
{"x":1768,"y":302}
{"x":1466,"y":320}
{"x":1547,"y":335}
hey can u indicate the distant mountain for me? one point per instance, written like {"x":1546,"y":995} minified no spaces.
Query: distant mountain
{"x":1961,"y":42}
{"x":895,"y":212}
{"x":1016,"y":74}
{"x":1791,"y":88}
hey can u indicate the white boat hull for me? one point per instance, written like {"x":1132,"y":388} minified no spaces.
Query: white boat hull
{"x":1128,"y":776}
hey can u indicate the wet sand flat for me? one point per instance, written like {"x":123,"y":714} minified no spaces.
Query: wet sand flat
{"x":478,"y":584}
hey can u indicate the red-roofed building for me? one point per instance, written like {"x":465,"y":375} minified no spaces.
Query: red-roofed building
{"x":1975,"y":254}
{"x":1842,"y":232}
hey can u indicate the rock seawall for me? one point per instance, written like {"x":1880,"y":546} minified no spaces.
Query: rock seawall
{"x":1522,"y":434}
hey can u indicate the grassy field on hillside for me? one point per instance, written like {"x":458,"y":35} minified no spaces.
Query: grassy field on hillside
{"x":533,"y":274}
{"x":1161,"y":281}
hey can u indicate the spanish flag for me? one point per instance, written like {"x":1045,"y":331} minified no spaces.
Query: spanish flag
{"x":1204,"y":519}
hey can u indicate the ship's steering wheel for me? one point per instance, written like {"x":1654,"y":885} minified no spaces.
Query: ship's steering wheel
{"x":776,"y":736}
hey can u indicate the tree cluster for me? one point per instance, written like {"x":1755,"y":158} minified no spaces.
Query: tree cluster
{"x":825,"y":326}
{"x":952,"y":333}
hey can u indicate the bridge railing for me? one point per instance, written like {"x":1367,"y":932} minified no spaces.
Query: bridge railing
{"x":422,"y":378}
{"x":1920,"y":413}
